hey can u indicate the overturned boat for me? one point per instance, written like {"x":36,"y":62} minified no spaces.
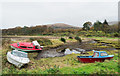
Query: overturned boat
{"x":18,"y":58}
{"x":27,"y":46}
{"x":98,"y":56}
{"x":67,"y":51}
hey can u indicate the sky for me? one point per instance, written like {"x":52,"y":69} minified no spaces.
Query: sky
{"x":30,"y":13}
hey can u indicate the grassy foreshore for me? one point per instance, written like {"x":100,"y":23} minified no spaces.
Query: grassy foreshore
{"x":64,"y":65}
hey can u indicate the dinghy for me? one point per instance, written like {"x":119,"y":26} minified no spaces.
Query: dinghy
{"x":80,"y":50}
{"x":18,"y":58}
{"x":26,"y":46}
{"x":67,"y":51}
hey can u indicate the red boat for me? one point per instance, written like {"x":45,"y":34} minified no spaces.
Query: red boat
{"x":98,"y":56}
{"x":26,"y":46}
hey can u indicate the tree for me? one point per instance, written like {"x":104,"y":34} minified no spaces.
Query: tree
{"x":97,"y":26}
{"x":105,"y":26}
{"x":105,"y":22}
{"x":87,"y":25}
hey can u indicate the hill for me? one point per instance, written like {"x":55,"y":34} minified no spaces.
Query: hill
{"x":40,"y":29}
{"x":113,"y":23}
{"x":62,"y":26}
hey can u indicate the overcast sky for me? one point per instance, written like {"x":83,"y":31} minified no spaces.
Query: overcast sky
{"x":73,"y":13}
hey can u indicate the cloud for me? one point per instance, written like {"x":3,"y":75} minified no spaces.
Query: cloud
{"x":59,"y":0}
{"x":74,"y":13}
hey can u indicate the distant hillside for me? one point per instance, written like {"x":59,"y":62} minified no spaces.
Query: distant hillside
{"x":62,"y":26}
{"x":40,"y":29}
{"x":113,"y":23}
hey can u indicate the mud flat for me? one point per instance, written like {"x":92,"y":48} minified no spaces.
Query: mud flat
{"x":59,"y":50}
{"x":49,"y":53}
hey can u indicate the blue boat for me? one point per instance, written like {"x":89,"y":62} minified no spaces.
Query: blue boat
{"x":98,"y":56}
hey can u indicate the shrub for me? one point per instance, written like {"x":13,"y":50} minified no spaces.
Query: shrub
{"x":45,"y":42}
{"x":108,"y":35}
{"x":70,"y":37}
{"x":116,"y":35}
{"x":31,"y":39}
{"x":42,"y":41}
{"x":89,"y":35}
{"x":63,"y":40}
{"x":53,"y":70}
{"x":78,"y":39}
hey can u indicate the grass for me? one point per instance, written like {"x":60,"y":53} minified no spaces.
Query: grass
{"x":57,"y":42}
{"x":66,"y":65}
{"x":103,"y":38}
{"x":0,"y":62}
{"x":62,"y":65}
{"x":111,"y":42}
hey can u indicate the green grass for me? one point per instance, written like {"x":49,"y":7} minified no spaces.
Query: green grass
{"x":102,"y":37}
{"x":65,"y":65}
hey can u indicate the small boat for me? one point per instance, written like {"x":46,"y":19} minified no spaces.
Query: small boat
{"x":98,"y":56}
{"x":18,"y":58}
{"x":67,"y":51}
{"x":27,"y":46}
{"x":80,"y":50}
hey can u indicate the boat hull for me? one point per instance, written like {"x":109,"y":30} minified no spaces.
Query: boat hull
{"x":17,"y":61}
{"x":24,"y":49}
{"x":92,"y":60}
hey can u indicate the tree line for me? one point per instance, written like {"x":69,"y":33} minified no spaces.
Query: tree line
{"x":99,"y":26}
{"x":36,"y":30}
{"x":45,"y":30}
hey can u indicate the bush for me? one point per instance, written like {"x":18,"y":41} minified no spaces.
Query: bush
{"x":116,"y":35}
{"x":42,"y":41}
{"x":31,"y":39}
{"x":53,"y":70}
{"x":78,"y":39}
{"x":63,"y":40}
{"x":108,"y":35}
{"x":70,"y":37}
{"x":88,"y":35}
{"x":45,"y":42}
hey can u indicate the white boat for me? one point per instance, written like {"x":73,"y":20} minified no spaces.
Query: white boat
{"x":18,"y":58}
{"x":67,"y":51}
{"x":80,"y":50}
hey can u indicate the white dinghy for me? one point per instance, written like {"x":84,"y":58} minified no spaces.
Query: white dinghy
{"x":67,"y":51}
{"x":18,"y":58}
